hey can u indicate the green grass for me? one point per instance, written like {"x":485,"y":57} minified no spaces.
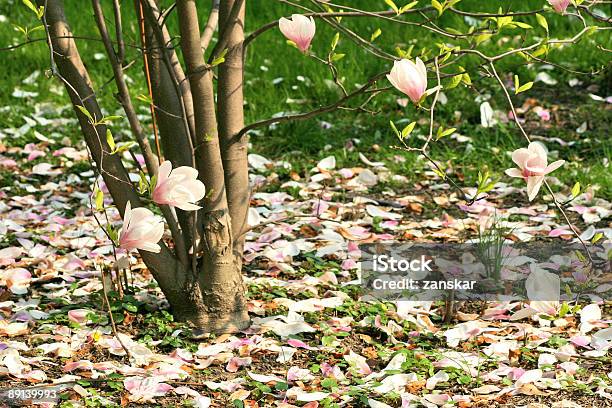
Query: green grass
{"x":304,"y":80}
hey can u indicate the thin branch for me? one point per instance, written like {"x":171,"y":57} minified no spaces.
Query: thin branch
{"x":313,"y":113}
{"x":119,"y":31}
{"x":126,"y":101}
{"x":224,"y":34}
{"x":211,"y":26}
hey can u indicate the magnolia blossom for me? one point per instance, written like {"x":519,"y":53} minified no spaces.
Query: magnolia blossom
{"x":532,"y":166}
{"x":141,"y":229}
{"x":299,"y":29}
{"x":179,"y":187}
{"x":409,"y":78}
{"x":559,"y":5}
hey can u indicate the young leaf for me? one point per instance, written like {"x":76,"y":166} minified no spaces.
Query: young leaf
{"x":110,"y":140}
{"x":456,"y":80}
{"x":576,"y":190}
{"x":220,"y":59}
{"x":145,"y":98}
{"x":442,"y":133}
{"x":85,"y":112}
{"x":407,"y":7}
{"x":40,"y":11}
{"x":376,"y":34}
{"x":524,"y":87}
{"x":439,"y":173}
{"x":482,"y":38}
{"x":124,"y":147}
{"x":99,"y":199}
{"x":408,"y":129}
{"x":542,"y":21}
{"x":522,"y":25}
{"x":337,"y":57}
{"x":517,"y":83}
{"x":397,"y":133}
{"x":597,"y":237}
{"x":391,"y":4}
{"x":436,"y":4}
{"x":142,"y":183}
{"x":335,"y":40}
{"x":108,"y":119}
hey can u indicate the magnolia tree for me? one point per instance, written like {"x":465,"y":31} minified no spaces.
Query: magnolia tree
{"x":195,"y":167}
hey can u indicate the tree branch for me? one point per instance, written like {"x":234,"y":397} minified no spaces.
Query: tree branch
{"x":211,"y":26}
{"x":313,"y":113}
{"x":208,"y":155}
{"x":225,"y":31}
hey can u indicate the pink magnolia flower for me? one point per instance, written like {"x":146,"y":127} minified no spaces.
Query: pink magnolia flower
{"x":299,"y":29}
{"x":141,"y":230}
{"x":409,"y":78}
{"x":559,"y":5}
{"x":532,"y":165}
{"x":179,"y":187}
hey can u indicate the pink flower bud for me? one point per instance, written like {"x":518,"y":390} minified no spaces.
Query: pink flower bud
{"x":559,"y":5}
{"x":409,"y":78}
{"x":299,"y":29}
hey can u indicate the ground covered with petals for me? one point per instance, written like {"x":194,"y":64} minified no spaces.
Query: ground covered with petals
{"x":314,"y":341}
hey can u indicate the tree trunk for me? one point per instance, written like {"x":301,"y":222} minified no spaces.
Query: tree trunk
{"x":220,"y":275}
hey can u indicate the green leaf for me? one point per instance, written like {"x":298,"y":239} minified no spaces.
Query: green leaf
{"x":220,"y":59}
{"x":522,"y":25}
{"x":442,"y":133}
{"x":408,"y":129}
{"x":85,"y":112}
{"x":397,"y":133}
{"x":407,"y":7}
{"x":39,"y":11}
{"x":153,"y":183}
{"x":107,"y":119}
{"x":439,"y":173}
{"x":99,"y":199}
{"x":124,"y":147}
{"x":30,"y":5}
{"x":524,"y":87}
{"x":542,"y":21}
{"x":329,"y":383}
{"x":130,"y":307}
{"x":436,"y":4}
{"x":145,"y":98}
{"x":335,"y":40}
{"x":376,"y":34}
{"x":456,"y":80}
{"x":391,"y":4}
{"x":281,"y":386}
{"x":576,"y":189}
{"x":482,"y":38}
{"x":142,"y":183}
{"x":337,"y":57}
{"x":110,"y":140}
{"x":597,"y":237}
